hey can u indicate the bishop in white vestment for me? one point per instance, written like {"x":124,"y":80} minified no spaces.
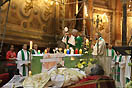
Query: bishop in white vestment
{"x":23,"y":55}
{"x":100,"y":46}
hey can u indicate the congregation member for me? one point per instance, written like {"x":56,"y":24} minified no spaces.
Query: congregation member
{"x":23,"y":55}
{"x":11,"y":58}
{"x":118,"y":65}
{"x":35,"y":49}
{"x":110,"y":51}
{"x":100,"y":47}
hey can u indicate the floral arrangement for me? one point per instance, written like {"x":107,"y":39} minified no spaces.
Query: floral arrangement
{"x":129,"y":85}
{"x":85,"y":62}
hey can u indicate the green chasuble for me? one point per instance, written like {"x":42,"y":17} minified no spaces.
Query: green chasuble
{"x":112,"y":52}
{"x":79,"y":41}
{"x":23,"y":59}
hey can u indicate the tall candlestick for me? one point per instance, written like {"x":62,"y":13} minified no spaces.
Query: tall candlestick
{"x":31,"y":44}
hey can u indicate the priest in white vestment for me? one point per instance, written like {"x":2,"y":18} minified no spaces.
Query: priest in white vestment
{"x":23,"y":55}
{"x":118,"y":64}
{"x":100,"y":46}
{"x":35,"y":49}
{"x":72,"y":40}
{"x":128,"y":69}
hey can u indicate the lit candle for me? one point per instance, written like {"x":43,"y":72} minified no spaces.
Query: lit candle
{"x":38,"y":51}
{"x":45,"y":51}
{"x":68,"y":51}
{"x":29,"y":73}
{"x":87,"y":41}
{"x":80,"y":51}
{"x":31,"y":44}
{"x":76,"y":51}
{"x":65,"y":51}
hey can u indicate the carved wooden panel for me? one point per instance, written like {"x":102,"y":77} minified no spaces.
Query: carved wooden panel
{"x":129,"y":28}
{"x":101,"y":3}
{"x":25,"y":22}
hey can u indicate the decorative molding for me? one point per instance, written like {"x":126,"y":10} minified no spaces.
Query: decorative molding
{"x":35,"y":24}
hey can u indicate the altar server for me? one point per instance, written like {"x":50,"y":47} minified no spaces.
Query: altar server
{"x":35,"y":49}
{"x":100,"y":46}
{"x":23,"y":55}
{"x":110,"y":51}
{"x":119,"y":63}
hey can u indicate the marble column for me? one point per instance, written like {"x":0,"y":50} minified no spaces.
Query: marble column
{"x":124,"y":25}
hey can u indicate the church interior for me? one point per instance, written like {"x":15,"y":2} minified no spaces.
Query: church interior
{"x":65,"y":43}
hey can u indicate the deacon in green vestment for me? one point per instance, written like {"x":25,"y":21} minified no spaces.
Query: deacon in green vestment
{"x":23,"y":55}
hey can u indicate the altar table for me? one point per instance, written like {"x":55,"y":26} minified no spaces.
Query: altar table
{"x":69,"y":61}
